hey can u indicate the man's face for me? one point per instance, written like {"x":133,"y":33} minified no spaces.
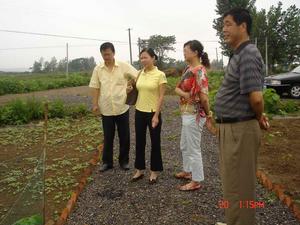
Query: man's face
{"x":108,"y":55}
{"x":232,"y":32}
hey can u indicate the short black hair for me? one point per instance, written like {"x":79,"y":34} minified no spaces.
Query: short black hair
{"x":151,"y":52}
{"x":240,"y":16}
{"x":107,"y":45}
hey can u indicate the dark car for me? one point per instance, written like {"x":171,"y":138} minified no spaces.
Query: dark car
{"x":285,"y":83}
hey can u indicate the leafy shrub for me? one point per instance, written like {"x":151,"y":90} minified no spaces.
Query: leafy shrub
{"x":76,"y":111}
{"x":289,"y":106}
{"x":21,"y":112}
{"x":57,"y":109}
{"x":18,"y":112}
{"x":272,"y":100}
{"x":274,"y":105}
{"x":33,"y":220}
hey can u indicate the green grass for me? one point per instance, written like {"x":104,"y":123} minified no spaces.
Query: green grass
{"x":20,"y":83}
{"x":23,"y":111}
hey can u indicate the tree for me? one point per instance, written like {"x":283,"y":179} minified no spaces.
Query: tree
{"x":37,"y":66}
{"x":291,"y":35}
{"x":282,"y":30}
{"x":216,"y":64}
{"x":91,"y":63}
{"x":222,"y":7}
{"x":61,"y":66}
{"x":161,"y":45}
{"x":259,"y":30}
{"x":82,"y":64}
{"x":50,"y":67}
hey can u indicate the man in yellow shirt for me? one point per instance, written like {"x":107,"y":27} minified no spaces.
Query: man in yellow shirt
{"x":109,"y":83}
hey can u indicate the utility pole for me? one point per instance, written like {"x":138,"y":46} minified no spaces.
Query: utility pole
{"x":67,"y":60}
{"x":267,"y":70}
{"x":217,"y":55}
{"x":130,"y":45}
{"x":139,"y":44}
{"x":222,"y":62}
{"x":256,"y":41}
{"x":266,"y":52}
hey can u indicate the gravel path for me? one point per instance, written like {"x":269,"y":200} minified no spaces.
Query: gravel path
{"x":111,"y":199}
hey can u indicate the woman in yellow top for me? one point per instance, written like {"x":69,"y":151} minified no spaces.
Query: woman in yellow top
{"x":151,"y":88}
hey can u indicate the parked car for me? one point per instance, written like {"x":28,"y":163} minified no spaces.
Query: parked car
{"x":285,"y":83}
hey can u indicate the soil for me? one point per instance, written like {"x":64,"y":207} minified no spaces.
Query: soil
{"x":279,"y":157}
{"x":74,"y":94}
{"x":70,"y":145}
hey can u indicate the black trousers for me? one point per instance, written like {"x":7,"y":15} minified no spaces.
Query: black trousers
{"x":109,"y":125}
{"x":142,"y":121}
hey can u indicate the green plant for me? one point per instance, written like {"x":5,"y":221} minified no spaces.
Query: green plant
{"x":212,"y":95}
{"x":13,"y":84}
{"x":57,"y":109}
{"x":23,"y":111}
{"x":35,"y":108}
{"x":274,"y":105}
{"x":76,"y":111}
{"x":32,"y":220}
{"x":18,"y":112}
{"x":289,"y":106}
{"x":271,"y":100}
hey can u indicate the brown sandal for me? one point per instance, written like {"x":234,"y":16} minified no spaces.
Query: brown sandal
{"x":183,"y":175}
{"x":192,"y":186}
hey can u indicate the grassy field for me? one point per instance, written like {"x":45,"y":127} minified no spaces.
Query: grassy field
{"x":24,"y":83}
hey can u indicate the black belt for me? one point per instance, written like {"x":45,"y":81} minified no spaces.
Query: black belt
{"x":234,"y":120}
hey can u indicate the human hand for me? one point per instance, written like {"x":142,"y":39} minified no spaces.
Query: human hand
{"x":264,"y":122}
{"x":96,"y":110}
{"x":210,"y":124}
{"x":155,"y":121}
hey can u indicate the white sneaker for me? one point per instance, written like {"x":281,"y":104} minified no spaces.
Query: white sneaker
{"x":219,"y":223}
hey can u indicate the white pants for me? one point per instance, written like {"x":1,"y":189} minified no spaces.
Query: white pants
{"x":190,"y":145}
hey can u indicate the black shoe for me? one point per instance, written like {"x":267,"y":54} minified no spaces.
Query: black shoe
{"x":125,"y":166}
{"x":105,"y":167}
{"x":134,"y":179}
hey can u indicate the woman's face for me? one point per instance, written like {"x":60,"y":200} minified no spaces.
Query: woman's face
{"x":146,"y":59}
{"x":189,"y":54}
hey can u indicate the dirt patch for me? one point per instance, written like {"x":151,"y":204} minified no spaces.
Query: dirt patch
{"x":280,"y":155}
{"x":82,"y":91}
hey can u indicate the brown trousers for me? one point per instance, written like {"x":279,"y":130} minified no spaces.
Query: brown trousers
{"x":239,"y":144}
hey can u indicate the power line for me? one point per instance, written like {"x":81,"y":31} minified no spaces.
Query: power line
{"x":41,"y":47}
{"x":59,"y":35}
{"x":38,"y":47}
{"x":82,"y":38}
{"x":182,"y":42}
{"x":50,"y":46}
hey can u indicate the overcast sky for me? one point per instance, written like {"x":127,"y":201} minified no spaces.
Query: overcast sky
{"x":103,"y":20}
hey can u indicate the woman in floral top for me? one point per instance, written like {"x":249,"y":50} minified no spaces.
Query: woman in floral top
{"x":194,"y":107}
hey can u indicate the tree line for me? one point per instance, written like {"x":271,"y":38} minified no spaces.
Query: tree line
{"x":52,"y":66}
{"x":281,"y":29}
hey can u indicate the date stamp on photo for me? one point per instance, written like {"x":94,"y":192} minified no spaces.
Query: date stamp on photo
{"x":243,"y":204}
